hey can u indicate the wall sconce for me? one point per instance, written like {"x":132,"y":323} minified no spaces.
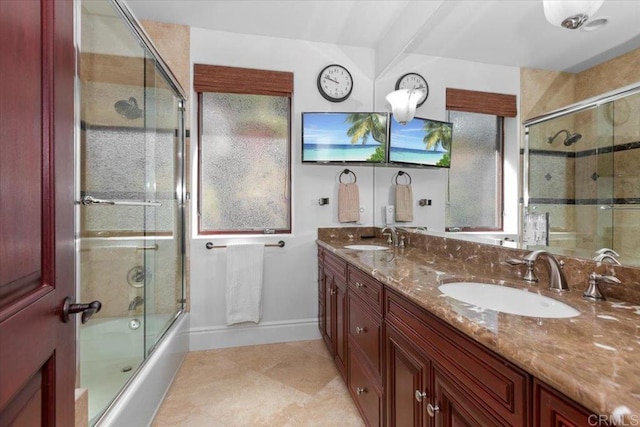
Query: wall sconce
{"x":570,"y":14}
{"x":403,"y":104}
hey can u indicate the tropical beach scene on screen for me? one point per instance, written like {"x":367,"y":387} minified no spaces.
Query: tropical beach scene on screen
{"x":344,"y":137}
{"x":422,"y":142}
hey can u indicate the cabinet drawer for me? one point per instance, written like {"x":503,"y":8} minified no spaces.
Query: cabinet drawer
{"x":366,"y":287}
{"x":336,"y":265}
{"x":495,"y":384}
{"x":366,"y":394}
{"x":365,"y":331}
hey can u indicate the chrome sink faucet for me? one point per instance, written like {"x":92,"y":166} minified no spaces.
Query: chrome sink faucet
{"x":557,"y":281}
{"x":606,"y":254}
{"x":593,"y":291}
{"x":606,"y":258}
{"x":393,"y":237}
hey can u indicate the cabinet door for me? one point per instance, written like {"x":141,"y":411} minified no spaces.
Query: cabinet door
{"x":340,"y":339}
{"x":329,"y":311}
{"x":321,"y":298}
{"x":552,"y":409}
{"x":452,"y":408}
{"x":408,"y":388}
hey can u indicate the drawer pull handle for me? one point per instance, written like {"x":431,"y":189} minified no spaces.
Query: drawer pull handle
{"x":359,"y":285}
{"x":432,"y":410}
{"x":332,"y":291}
{"x":360,"y":390}
{"x":420,"y":395}
{"x":360,"y":330}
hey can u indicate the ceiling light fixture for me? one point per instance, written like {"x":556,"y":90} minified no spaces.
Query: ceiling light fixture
{"x":570,"y":14}
{"x":595,"y":24}
{"x":403,"y":103}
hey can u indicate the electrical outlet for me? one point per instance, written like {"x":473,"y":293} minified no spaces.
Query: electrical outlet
{"x":390,"y":214}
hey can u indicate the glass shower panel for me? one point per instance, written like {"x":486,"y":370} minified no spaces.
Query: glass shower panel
{"x":129,"y":226}
{"x":163,"y":223}
{"x":111,"y":167}
{"x":571,"y":177}
{"x":624,"y":115}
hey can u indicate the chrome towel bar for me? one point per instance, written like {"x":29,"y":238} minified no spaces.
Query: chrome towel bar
{"x":90,"y":200}
{"x":210,"y":245}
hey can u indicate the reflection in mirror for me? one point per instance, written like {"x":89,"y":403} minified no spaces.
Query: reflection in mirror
{"x":582,"y":171}
{"x":504,"y":47}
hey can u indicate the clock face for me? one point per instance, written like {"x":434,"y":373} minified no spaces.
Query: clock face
{"x":335,"y":83}
{"x":414,"y":81}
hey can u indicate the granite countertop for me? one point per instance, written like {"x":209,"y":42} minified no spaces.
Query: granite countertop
{"x":593,"y":358}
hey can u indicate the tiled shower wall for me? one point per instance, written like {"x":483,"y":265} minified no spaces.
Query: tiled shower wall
{"x":583,"y":174}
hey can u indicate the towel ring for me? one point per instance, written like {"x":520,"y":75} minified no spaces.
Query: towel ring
{"x":347,"y":172}
{"x":400,"y":173}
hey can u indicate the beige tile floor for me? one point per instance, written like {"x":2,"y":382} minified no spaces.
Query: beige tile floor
{"x":289,"y":384}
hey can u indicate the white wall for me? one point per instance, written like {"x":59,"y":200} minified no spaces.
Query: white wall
{"x":290,"y":287}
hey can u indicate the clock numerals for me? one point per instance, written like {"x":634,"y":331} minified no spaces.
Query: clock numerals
{"x":335,"y":83}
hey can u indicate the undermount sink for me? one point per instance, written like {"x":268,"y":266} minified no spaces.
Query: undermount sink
{"x":367,"y":247}
{"x":508,"y":300}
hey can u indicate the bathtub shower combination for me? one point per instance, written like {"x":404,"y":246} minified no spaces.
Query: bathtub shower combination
{"x":582,"y":164}
{"x":129,"y":219}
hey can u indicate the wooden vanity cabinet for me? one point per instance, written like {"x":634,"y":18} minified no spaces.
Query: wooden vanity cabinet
{"x":553,"y":409}
{"x":467,"y":384}
{"x":408,"y":382}
{"x":406,"y":367}
{"x":365,"y":366}
{"x":334,"y":309}
{"x":321,"y":292}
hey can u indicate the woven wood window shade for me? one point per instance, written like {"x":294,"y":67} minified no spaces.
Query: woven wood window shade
{"x":470,"y":101}
{"x":248,"y":81}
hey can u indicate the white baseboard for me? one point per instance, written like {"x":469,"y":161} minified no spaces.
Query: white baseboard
{"x":208,"y":338}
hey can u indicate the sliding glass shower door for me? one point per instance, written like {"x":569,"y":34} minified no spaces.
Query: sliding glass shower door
{"x":129,"y":219}
{"x":582,"y":171}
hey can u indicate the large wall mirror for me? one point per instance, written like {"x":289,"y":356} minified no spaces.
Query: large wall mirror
{"x":509,"y":47}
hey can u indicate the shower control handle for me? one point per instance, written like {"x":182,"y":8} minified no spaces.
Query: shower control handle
{"x":87,"y":310}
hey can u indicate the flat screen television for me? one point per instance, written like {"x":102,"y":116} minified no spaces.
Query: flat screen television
{"x":344,"y":137}
{"x":422,"y":142}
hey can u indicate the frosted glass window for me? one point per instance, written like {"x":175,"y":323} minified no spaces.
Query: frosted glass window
{"x":475,"y":177}
{"x":244,"y":163}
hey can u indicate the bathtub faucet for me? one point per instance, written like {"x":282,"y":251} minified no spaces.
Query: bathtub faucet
{"x":135,"y":303}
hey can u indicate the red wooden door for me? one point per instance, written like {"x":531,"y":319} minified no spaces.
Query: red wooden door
{"x":37,"y":350}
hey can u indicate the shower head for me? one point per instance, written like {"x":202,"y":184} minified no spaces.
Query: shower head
{"x":128,"y":109}
{"x":571,"y":138}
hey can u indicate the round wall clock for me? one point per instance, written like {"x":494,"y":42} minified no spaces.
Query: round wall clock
{"x":414,"y":81}
{"x":335,"y":83}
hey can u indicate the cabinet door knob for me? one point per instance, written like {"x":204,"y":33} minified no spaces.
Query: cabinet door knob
{"x":361,"y":390}
{"x":359,"y":285}
{"x":432,"y":410}
{"x":420,"y":395}
{"x":332,"y":291}
{"x":360,"y":330}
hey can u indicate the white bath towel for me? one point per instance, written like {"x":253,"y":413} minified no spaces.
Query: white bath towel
{"x":348,"y":202}
{"x":404,"y":203}
{"x":244,"y":282}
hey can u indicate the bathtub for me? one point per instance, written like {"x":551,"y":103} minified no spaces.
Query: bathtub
{"x":111,"y":355}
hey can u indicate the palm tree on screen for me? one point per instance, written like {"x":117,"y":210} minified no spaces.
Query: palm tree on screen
{"x":434,"y":132}
{"x":365,"y":125}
